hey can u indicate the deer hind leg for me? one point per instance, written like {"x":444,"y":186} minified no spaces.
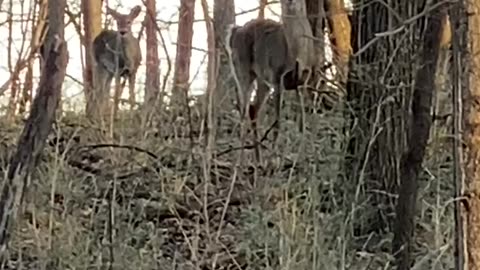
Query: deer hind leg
{"x":244,"y":89}
{"x":254,"y":111}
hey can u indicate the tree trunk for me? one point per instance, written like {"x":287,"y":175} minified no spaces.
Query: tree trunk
{"x":181,"y":74}
{"x":261,"y":9}
{"x":223,"y":15}
{"x":38,"y":125}
{"x":472,"y":138}
{"x":152,"y":80}
{"x":209,"y":112}
{"x":341,"y":35}
{"x":421,"y":120}
{"x":92,"y":25}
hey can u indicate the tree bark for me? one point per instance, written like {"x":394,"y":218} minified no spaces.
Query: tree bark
{"x":38,"y":125}
{"x":341,"y":35}
{"x":261,"y":9}
{"x":420,"y":123}
{"x":181,"y":74}
{"x":92,"y":25}
{"x":472,"y":138}
{"x":152,"y":80}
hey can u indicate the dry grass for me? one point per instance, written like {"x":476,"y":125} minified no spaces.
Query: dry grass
{"x":298,"y":213}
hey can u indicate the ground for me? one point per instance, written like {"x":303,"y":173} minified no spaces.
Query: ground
{"x":168,"y":212}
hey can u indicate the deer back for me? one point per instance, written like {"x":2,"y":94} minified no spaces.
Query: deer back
{"x":261,"y":47}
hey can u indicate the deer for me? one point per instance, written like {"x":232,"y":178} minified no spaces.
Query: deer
{"x":259,"y":51}
{"x":117,"y":54}
{"x":299,"y":36}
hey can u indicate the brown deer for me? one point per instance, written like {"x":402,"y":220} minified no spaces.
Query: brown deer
{"x":259,"y":51}
{"x":117,"y":54}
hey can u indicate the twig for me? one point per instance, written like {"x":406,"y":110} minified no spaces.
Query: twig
{"x":112,"y":145}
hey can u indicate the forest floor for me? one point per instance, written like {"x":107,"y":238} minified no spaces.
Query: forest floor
{"x":168,"y":211}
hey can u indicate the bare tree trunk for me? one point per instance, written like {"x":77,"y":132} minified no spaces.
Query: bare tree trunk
{"x":152,"y":80}
{"x":420,"y":123}
{"x":211,"y":73}
{"x":92,"y":23}
{"x":224,"y":15}
{"x":181,"y":74}
{"x":472,"y":138}
{"x":32,"y":140}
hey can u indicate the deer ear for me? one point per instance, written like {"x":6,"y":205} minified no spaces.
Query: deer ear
{"x":111,"y":11}
{"x":135,"y":11}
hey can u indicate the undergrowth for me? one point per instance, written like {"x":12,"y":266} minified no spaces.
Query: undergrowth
{"x":144,"y":200}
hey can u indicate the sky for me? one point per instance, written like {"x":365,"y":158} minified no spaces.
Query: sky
{"x":167,"y":11}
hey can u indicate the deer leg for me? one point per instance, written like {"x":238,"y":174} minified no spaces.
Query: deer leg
{"x":300,"y":97}
{"x":131,"y":88}
{"x":254,"y":111}
{"x":278,"y":104}
{"x":104,"y":95}
{"x":100,"y":95}
{"x":116,"y":96}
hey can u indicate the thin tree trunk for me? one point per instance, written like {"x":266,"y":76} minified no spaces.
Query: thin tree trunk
{"x":92,"y":23}
{"x":261,"y":9}
{"x":152,"y":80}
{"x":420,"y":123}
{"x":38,"y":125}
{"x":181,"y":74}
{"x":341,"y":34}
{"x":209,"y":117}
{"x":224,"y":15}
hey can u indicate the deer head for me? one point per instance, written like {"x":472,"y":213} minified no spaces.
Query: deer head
{"x":124,"y":21}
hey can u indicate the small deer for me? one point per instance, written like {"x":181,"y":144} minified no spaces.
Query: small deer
{"x":117,"y":54}
{"x":259,"y":51}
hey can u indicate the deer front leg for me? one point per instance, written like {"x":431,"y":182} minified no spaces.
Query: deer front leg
{"x":301,"y":90}
{"x":116,"y":96}
{"x":131,"y":88}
